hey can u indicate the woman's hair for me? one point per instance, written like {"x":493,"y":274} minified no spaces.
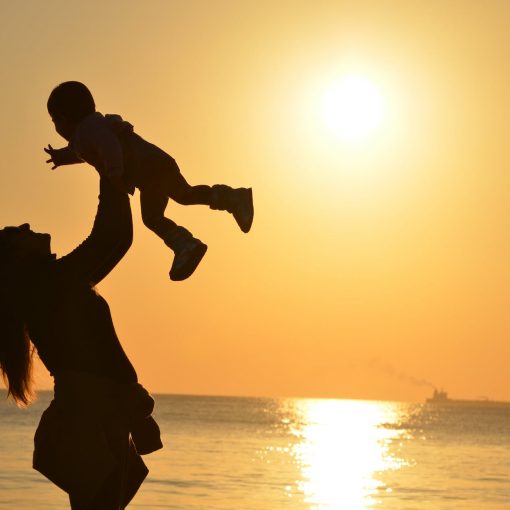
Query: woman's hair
{"x":72,"y":100}
{"x":16,"y":349}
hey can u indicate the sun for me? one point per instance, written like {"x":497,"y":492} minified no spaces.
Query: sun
{"x":352,"y":108}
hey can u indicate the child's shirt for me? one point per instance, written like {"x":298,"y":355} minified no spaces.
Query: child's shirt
{"x":109,"y":144}
{"x":96,"y":142}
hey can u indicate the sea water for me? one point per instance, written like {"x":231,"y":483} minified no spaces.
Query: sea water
{"x":274,"y":454}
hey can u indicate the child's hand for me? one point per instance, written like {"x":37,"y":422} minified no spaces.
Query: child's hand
{"x":64,"y":156}
{"x":54,"y":157}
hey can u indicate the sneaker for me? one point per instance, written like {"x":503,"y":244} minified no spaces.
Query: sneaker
{"x":187,"y":259}
{"x":241,"y":207}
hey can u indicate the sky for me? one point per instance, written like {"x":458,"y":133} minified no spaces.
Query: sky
{"x":378,"y":262}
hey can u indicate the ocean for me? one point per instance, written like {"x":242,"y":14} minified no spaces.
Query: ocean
{"x":226,"y":453}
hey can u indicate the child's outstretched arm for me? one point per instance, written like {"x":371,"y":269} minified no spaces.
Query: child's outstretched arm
{"x":110,"y":153}
{"x":59,"y":157}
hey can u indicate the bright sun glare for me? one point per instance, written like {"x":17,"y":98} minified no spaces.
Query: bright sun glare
{"x":352,"y":108}
{"x":345,"y":451}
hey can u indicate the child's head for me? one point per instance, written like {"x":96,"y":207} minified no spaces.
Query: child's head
{"x":69,"y":103}
{"x":71,"y":100}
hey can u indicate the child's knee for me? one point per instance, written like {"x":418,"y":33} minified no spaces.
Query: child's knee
{"x":152,"y":221}
{"x":181,"y":195}
{"x":128,"y":241}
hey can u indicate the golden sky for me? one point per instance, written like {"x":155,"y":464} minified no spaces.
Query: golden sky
{"x":376,"y":265}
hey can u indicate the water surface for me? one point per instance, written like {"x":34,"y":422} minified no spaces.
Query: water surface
{"x":225,"y":453}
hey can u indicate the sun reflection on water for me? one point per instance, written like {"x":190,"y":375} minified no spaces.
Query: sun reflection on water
{"x":343,"y":446}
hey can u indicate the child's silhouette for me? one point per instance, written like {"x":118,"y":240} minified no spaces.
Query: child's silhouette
{"x":110,"y":145}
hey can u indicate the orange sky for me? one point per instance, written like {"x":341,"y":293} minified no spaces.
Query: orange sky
{"x":372,"y":267}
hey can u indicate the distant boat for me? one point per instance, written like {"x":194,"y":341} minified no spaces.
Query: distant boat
{"x":441,"y":397}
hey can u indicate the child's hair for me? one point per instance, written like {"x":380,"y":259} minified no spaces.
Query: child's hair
{"x":72,"y":100}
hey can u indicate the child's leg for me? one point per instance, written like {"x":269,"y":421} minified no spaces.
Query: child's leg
{"x":183,"y":193}
{"x":153,"y":205}
{"x":188,"y":250}
{"x":238,"y":202}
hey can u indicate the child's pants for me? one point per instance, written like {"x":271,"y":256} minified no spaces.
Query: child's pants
{"x":168,"y":182}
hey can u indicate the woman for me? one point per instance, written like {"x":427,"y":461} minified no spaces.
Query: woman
{"x":90,"y":438}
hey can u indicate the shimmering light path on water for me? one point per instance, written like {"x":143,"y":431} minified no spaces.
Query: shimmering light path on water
{"x":342,"y":448}
{"x":273,"y":454}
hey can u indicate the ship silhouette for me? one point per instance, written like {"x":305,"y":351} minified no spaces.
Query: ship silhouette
{"x":441,"y":397}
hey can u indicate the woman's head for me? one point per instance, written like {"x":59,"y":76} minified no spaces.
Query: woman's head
{"x":21,"y":245}
{"x":20,"y":249}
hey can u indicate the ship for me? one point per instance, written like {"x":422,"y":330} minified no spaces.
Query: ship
{"x":441,"y":397}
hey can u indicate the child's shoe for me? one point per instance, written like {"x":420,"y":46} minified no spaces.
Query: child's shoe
{"x":188,"y":255}
{"x":242,"y":208}
{"x":238,"y":202}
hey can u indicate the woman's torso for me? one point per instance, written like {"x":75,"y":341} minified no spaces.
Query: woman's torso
{"x":71,"y":326}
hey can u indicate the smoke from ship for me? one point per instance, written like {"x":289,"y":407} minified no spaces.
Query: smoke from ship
{"x":390,"y":370}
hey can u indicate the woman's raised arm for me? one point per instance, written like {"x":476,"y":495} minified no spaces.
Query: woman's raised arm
{"x":110,"y":239}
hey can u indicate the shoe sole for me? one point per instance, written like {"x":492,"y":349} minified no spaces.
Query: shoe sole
{"x":245,"y":227}
{"x":196,"y":255}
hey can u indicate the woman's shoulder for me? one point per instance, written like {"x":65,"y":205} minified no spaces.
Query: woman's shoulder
{"x":55,"y":273}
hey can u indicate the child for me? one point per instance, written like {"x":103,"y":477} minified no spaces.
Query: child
{"x":109,"y":144}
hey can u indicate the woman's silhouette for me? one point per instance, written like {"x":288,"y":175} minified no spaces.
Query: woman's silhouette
{"x":89,"y":440}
